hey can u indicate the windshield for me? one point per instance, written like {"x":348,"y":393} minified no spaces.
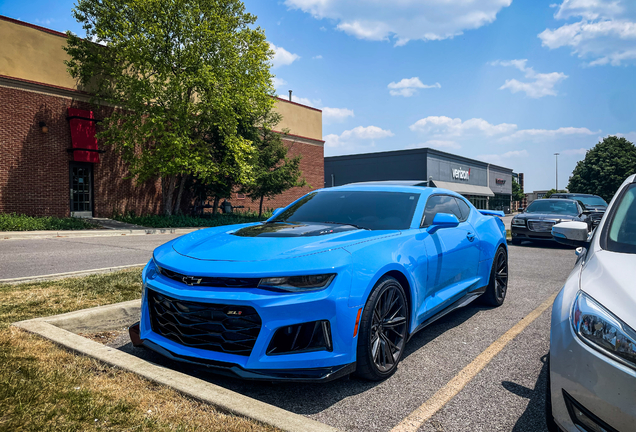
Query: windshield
{"x":622,"y":228}
{"x":591,"y":201}
{"x":561,"y":207}
{"x":365,"y":209}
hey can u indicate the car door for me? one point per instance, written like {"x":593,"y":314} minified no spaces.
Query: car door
{"x":453,"y":256}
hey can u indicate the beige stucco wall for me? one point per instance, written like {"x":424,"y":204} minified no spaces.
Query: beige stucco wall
{"x":300,"y":120}
{"x":35,"y":55}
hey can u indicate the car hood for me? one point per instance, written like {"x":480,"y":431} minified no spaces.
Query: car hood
{"x":546,"y":216}
{"x":596,"y":209}
{"x":259,"y":242}
{"x":608,"y":277}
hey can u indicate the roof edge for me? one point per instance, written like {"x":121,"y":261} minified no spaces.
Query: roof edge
{"x":296,"y":103}
{"x":33,"y":26}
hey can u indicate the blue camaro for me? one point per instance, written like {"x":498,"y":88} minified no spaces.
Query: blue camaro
{"x":335,"y":283}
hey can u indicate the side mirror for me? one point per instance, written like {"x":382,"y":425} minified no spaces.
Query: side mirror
{"x":278,"y":210}
{"x":521,"y":209}
{"x":442,"y":220}
{"x":571,"y":234}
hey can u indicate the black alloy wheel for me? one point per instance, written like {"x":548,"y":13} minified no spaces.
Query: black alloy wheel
{"x":383,"y":331}
{"x":498,"y":286}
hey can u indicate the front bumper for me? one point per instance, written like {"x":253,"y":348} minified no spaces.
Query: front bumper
{"x":276,"y":310}
{"x":519,"y":232}
{"x":603,"y":387}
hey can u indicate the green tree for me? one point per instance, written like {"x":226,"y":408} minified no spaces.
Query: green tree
{"x":517,"y":192}
{"x":604,"y":168}
{"x":274,"y":171}
{"x":182,"y":74}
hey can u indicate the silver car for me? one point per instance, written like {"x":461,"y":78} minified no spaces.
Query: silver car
{"x":592,"y":366}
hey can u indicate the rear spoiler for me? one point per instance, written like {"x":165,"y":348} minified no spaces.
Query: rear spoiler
{"x":492,"y":213}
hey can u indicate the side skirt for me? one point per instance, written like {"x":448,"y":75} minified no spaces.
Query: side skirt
{"x":468,"y":298}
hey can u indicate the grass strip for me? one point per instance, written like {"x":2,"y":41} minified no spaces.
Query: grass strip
{"x":46,"y":388}
{"x":185,"y":221}
{"x":19,"y":222}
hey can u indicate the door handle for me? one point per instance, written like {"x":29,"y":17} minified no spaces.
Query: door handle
{"x":470,"y":236}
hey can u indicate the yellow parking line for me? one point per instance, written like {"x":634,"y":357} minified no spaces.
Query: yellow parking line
{"x":422,"y":414}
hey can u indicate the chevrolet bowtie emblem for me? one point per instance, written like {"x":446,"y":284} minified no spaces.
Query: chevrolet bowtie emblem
{"x":189,"y":280}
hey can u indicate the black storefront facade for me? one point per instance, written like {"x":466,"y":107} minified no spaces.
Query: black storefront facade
{"x":487,"y":186}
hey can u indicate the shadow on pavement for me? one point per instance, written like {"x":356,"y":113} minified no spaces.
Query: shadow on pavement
{"x":533,"y":418}
{"x":302,"y":398}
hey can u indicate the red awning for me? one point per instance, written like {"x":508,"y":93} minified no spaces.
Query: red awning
{"x":83,"y":135}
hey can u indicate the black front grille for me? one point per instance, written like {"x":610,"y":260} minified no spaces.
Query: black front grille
{"x":219,"y":282}
{"x":215,"y":327}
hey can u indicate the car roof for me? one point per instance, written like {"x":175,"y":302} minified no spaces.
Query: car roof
{"x":394,"y":186}
{"x":555,"y":199}
{"x":422,"y":183}
{"x":573,"y":194}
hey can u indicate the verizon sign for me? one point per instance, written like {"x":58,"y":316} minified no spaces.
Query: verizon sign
{"x":460,"y":174}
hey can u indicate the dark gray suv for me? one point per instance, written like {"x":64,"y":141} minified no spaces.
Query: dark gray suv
{"x":592,"y":203}
{"x":536,"y":222}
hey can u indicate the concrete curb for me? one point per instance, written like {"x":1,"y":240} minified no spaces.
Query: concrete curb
{"x":78,"y":273}
{"x":22,"y":235}
{"x":109,"y":317}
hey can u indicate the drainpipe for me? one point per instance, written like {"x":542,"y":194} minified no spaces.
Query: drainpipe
{"x":488,"y":183}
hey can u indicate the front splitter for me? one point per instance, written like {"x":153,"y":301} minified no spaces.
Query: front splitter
{"x":318,"y":375}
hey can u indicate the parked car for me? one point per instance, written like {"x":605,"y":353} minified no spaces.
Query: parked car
{"x":594,"y":204}
{"x":536,"y":222}
{"x":592,"y":365}
{"x":336,"y":282}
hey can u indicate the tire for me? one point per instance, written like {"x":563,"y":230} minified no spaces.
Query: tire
{"x":380,"y":345}
{"x":516,"y":242}
{"x":549,"y":418}
{"x":498,"y":285}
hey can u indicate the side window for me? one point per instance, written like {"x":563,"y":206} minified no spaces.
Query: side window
{"x":439,"y":204}
{"x":465,"y":209}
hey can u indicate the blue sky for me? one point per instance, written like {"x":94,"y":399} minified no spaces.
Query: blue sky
{"x":506,"y":81}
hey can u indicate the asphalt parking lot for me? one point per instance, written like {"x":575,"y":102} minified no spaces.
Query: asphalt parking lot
{"x":506,"y":395}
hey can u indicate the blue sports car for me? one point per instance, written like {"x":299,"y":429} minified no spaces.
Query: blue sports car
{"x":335,"y":283}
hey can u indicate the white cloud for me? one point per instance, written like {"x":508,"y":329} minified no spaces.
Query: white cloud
{"x":442,"y":126}
{"x":403,"y":20}
{"x":318,"y":57}
{"x":357,"y":136}
{"x":278,"y":82}
{"x":438,"y":144}
{"x":605,"y":34}
{"x":282,"y":57}
{"x":541,"y":84}
{"x":407,"y":87}
{"x":331,"y":115}
{"x":542,"y":134}
{"x":629,"y":136}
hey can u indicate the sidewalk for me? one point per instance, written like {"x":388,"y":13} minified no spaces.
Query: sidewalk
{"x":109,"y":227}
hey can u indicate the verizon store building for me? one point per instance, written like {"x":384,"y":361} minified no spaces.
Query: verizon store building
{"x":487,"y":186}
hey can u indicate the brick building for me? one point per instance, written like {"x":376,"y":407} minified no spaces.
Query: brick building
{"x":49,"y":165}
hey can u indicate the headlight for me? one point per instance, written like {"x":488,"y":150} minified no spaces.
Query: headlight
{"x":601,"y":330}
{"x":521,"y":222}
{"x":297,"y":283}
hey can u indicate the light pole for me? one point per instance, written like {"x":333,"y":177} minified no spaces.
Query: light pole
{"x":556,"y":157}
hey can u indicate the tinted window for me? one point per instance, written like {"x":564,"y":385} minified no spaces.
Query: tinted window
{"x":465,"y":209}
{"x":554,"y":207}
{"x":621,"y":235}
{"x":439,"y":204}
{"x":367,"y":209}
{"x":591,"y":201}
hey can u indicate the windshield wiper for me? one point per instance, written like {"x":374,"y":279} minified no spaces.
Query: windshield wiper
{"x":350,"y":224}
